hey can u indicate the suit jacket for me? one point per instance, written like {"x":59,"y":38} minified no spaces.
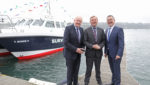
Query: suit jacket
{"x":89,"y":40}
{"x":115,"y":45}
{"x":71,"y":42}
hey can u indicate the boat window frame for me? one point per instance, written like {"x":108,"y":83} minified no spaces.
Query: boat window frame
{"x":36,"y":22}
{"x":31,"y":21}
{"x":58,"y":25}
{"x":51,"y":26}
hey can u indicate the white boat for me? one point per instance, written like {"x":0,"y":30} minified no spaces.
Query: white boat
{"x":32,"y":38}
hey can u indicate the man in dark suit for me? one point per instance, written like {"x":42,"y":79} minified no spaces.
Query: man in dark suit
{"x":73,"y":48}
{"x":94,"y":39}
{"x":114,"y":49}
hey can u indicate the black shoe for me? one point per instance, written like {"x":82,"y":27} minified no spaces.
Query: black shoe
{"x":76,"y":84}
{"x":100,"y":84}
{"x":110,"y":84}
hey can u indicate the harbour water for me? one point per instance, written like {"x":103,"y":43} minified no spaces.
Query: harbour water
{"x":137,"y":45}
{"x":52,"y":68}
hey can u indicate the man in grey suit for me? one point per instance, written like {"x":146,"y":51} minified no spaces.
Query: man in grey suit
{"x":94,"y":39}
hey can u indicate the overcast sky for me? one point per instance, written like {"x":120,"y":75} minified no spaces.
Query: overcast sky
{"x":123,"y":10}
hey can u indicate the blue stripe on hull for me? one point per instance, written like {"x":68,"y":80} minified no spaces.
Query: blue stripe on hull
{"x":29,"y":43}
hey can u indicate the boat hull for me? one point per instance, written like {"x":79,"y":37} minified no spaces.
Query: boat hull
{"x":4,"y":51}
{"x":28,"y":47}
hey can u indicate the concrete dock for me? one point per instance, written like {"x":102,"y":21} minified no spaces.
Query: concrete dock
{"x":7,"y":80}
{"x":126,"y":78}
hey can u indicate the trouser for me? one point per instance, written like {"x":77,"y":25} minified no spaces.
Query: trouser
{"x":115,"y":69}
{"x":89,"y":66}
{"x":72,"y":70}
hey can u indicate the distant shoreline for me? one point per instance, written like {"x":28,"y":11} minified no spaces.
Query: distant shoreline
{"x":123,"y":25}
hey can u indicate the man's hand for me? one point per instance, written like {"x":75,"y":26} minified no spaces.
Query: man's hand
{"x":79,"y":51}
{"x":117,"y":57}
{"x":105,"y":55}
{"x":96,"y":46}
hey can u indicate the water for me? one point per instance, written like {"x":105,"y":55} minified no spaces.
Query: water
{"x":138,"y":59}
{"x":49,"y":68}
{"x":52,"y":68}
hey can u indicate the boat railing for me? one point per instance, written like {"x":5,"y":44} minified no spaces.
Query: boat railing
{"x":6,"y":22}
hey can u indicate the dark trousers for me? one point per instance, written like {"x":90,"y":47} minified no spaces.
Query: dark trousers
{"x":72,"y":70}
{"x":89,"y":66}
{"x":115,"y":69}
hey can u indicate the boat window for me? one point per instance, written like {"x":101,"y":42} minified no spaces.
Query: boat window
{"x":50,"y":24}
{"x":29,"y":22}
{"x":62,"y":25}
{"x":5,"y":22}
{"x":58,"y":24}
{"x":20,"y":22}
{"x":38,"y":22}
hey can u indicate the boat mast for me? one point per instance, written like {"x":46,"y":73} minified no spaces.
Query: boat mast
{"x":49,"y":7}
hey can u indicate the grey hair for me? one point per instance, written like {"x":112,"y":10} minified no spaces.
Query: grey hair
{"x":93,"y":17}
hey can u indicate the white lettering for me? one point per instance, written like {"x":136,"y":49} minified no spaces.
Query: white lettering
{"x":21,"y":41}
{"x":57,"y":41}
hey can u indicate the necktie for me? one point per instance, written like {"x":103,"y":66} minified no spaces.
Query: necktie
{"x":78,"y":34}
{"x":108,"y":34}
{"x":94,"y":32}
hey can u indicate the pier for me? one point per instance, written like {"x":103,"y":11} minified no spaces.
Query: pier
{"x":126,"y":78}
{"x":7,"y":80}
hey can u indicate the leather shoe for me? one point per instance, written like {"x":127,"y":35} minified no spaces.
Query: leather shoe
{"x":100,"y":83}
{"x":110,"y":84}
{"x":76,"y":84}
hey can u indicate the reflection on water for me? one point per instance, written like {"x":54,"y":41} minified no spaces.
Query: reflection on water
{"x":52,"y":68}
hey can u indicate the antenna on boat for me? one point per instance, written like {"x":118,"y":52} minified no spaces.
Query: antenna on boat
{"x":49,"y":10}
{"x":49,"y":7}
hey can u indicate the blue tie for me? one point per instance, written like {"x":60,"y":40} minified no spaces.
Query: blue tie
{"x":108,"y":33}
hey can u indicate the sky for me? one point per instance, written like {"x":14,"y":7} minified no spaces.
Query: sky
{"x":132,"y":11}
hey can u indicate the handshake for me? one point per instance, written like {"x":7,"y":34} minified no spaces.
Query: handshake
{"x":80,"y":50}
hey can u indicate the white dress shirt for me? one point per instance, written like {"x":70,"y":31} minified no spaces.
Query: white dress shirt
{"x":110,"y":28}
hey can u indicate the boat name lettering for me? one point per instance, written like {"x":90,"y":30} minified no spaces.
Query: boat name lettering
{"x":57,"y":40}
{"x":21,"y":41}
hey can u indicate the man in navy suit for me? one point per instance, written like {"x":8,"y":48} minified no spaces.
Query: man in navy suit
{"x":73,"y":48}
{"x":114,"y":49}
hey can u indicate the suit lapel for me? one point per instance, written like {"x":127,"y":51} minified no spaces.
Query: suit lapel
{"x":91,"y":31}
{"x":81,"y":32}
{"x":106,"y":33}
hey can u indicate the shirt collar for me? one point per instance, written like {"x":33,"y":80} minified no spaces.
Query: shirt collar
{"x":93,"y":27}
{"x":112,"y":26}
{"x":75,"y":27}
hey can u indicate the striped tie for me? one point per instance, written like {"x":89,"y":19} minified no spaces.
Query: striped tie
{"x":78,"y":34}
{"x":94,"y":31}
